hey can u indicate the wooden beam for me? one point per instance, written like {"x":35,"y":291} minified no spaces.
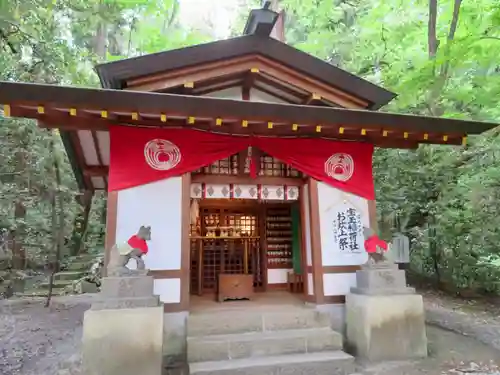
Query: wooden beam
{"x":254,"y":129}
{"x":27,"y":97}
{"x":96,"y":171}
{"x":334,"y":123}
{"x":313,"y":99}
{"x":246,"y":180}
{"x":200,"y":74}
{"x":309,"y":84}
{"x":256,"y":155}
{"x":242,"y":157}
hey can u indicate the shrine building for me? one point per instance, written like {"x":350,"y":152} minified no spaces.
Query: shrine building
{"x":250,"y":160}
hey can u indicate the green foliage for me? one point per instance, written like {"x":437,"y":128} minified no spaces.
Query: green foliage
{"x":59,"y":42}
{"x":445,"y":198}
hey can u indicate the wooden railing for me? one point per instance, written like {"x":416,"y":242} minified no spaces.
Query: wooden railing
{"x":230,"y":255}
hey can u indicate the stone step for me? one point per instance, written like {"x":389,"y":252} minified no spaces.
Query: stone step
{"x":69,"y":275}
{"x":262,"y":344}
{"x":79,"y":266}
{"x":58,"y":284}
{"x":239,"y":321}
{"x":323,"y":363}
{"x":40,"y":293}
{"x":85,"y":258}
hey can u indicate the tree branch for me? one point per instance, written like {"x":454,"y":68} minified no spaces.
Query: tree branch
{"x":451,"y":37}
{"x":490,"y":37}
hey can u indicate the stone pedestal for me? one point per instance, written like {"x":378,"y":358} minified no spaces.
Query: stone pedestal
{"x":126,"y":292}
{"x":123,"y":330}
{"x":385,"y":319}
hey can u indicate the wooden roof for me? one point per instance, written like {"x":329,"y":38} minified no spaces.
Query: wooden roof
{"x":72,"y":108}
{"x":116,"y":74}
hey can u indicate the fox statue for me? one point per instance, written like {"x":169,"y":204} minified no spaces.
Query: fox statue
{"x":375,"y":247}
{"x":134,"y":248}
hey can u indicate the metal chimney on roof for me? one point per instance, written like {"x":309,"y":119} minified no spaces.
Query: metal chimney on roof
{"x":261,"y":21}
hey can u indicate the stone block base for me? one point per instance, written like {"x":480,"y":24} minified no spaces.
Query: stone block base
{"x":125,"y":303}
{"x":386,"y":327}
{"x":123,"y":342}
{"x":130,"y":286}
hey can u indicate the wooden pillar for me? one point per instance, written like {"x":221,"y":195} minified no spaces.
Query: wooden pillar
{"x":372,"y":214}
{"x":185,"y":244}
{"x":111,"y":218}
{"x":317,"y":264}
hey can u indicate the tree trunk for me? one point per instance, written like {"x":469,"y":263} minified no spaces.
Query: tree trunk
{"x":80,"y":229}
{"x":57,"y":221}
{"x":100,"y":38}
{"x":431,"y":29}
{"x":54,"y":246}
{"x":17,"y":235}
{"x":441,"y":79}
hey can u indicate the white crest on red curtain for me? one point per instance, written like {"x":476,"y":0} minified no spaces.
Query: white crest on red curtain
{"x":161,"y":154}
{"x":340,"y":167}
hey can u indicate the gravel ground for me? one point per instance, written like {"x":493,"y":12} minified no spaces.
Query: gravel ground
{"x":36,"y":340}
{"x":41,"y":341}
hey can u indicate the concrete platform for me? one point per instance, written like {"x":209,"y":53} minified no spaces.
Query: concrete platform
{"x":325,"y":363}
{"x":243,"y":321}
{"x":262,"y":344}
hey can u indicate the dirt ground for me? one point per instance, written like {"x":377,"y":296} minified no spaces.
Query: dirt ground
{"x":36,"y":340}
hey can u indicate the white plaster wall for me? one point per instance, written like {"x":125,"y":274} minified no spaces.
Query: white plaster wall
{"x":157,"y":204}
{"x":307,"y":224}
{"x":169,"y":290}
{"x":338,"y":284}
{"x":260,"y":96}
{"x":277,"y":275}
{"x":330,"y":199}
{"x":236,"y":94}
{"x":310,"y":284}
{"x":230,"y":93}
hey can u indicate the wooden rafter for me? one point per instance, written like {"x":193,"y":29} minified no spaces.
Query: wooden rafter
{"x":227,"y":69}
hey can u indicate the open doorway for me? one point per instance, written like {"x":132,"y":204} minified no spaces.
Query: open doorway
{"x":241,"y":248}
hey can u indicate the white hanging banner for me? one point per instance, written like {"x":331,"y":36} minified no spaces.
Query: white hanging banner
{"x":347,"y":229}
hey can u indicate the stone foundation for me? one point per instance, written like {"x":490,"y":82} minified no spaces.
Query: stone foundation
{"x":175,"y":338}
{"x":123,"y":332}
{"x":123,"y":342}
{"x":384,"y":318}
{"x":386,"y":327}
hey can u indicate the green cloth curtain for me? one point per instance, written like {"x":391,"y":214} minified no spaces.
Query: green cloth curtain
{"x":296,"y":239}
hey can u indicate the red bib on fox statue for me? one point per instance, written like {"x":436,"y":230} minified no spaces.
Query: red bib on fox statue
{"x":375,"y":248}
{"x":136,"y":242}
{"x":373,"y":242}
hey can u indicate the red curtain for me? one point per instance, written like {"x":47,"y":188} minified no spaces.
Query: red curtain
{"x":344,"y":165}
{"x":140,"y":156}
